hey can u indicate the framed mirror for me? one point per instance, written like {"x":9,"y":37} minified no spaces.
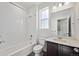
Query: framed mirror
{"x":64,"y":26}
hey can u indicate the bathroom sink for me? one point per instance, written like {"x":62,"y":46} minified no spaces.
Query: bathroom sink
{"x":60,"y":39}
{"x":64,"y":39}
{"x":68,"y":40}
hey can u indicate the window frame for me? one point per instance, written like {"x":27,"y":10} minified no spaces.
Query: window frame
{"x":39,"y":19}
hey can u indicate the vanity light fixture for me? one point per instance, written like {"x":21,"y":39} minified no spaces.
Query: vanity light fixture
{"x":54,"y":7}
{"x":60,"y":5}
{"x":66,"y":3}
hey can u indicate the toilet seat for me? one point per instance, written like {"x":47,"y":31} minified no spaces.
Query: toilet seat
{"x":38,"y":47}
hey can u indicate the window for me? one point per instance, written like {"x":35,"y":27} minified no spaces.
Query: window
{"x":43,"y":18}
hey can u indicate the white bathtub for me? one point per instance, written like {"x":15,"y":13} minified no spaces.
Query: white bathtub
{"x":20,"y":49}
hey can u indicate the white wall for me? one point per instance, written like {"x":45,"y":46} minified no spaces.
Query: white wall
{"x":76,"y":8}
{"x":13,"y":28}
{"x":31,"y":17}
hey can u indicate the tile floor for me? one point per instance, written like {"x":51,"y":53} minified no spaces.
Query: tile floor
{"x":41,"y":54}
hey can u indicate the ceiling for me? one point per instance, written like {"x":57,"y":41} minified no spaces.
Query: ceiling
{"x":27,"y":5}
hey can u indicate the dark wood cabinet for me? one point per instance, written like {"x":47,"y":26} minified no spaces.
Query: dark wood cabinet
{"x":65,"y":50}
{"x":52,"y":49}
{"x":55,"y":49}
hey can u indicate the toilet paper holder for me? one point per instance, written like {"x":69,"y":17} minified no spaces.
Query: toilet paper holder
{"x":76,"y":50}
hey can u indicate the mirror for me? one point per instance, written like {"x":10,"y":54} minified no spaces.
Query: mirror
{"x":64,"y":26}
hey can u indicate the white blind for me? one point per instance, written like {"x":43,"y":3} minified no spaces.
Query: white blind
{"x":43,"y":18}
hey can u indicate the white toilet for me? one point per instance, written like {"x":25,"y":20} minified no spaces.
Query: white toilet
{"x":38,"y":48}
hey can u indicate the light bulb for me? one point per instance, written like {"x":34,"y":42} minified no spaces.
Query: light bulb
{"x":54,"y":7}
{"x":66,"y":3}
{"x":60,"y":4}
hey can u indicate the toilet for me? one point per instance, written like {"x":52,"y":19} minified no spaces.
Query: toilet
{"x":37,"y":49}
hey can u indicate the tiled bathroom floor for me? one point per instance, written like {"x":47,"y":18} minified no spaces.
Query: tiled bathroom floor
{"x":41,"y":54}
{"x":31,"y":54}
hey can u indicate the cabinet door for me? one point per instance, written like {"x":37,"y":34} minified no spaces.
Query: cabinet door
{"x":52,"y":49}
{"x":66,"y":50}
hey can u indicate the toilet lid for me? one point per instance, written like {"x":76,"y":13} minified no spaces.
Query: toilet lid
{"x":38,"y":47}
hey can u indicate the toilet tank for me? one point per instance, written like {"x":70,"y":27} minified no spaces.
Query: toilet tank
{"x":42,"y":41}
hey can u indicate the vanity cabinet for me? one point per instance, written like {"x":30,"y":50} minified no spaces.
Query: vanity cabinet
{"x":65,"y":50}
{"x":52,"y":49}
{"x":55,"y":49}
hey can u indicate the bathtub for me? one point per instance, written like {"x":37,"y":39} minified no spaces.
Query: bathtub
{"x":20,"y":49}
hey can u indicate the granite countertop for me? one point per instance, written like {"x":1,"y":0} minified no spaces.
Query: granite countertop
{"x":69,"y":41}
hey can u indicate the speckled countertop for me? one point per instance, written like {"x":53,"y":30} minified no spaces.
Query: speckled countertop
{"x":69,"y":41}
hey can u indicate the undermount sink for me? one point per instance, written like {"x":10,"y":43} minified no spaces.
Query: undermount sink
{"x":60,"y":39}
{"x":64,"y":39}
{"x":68,"y":39}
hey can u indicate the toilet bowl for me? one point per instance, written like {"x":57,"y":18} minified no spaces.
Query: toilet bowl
{"x":38,"y":48}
